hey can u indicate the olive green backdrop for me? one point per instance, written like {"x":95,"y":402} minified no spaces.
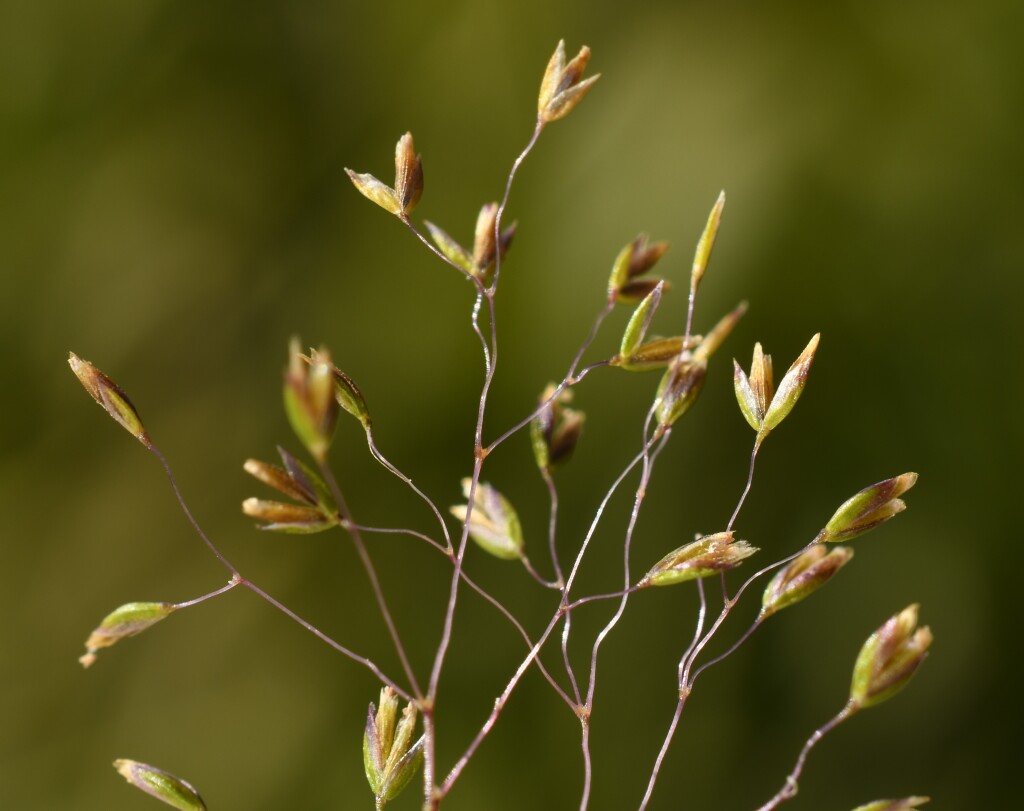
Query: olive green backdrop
{"x":174,"y":207}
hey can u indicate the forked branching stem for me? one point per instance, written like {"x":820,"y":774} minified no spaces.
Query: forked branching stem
{"x":237,"y":579}
{"x":371,"y":572}
{"x":375,"y":452}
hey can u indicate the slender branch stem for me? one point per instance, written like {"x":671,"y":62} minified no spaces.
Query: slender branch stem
{"x":647,"y":458}
{"x":371,"y":572}
{"x":440,"y":547}
{"x":549,"y":482}
{"x":375,"y":452}
{"x":188,"y":513}
{"x":790,"y":787}
{"x":234,"y":581}
{"x":684,"y":694}
{"x":638,"y":498}
{"x":522,"y":632}
{"x":569,"y":380}
{"x":746,"y":489}
{"x":499,"y":705}
{"x":490,"y":351}
{"x":355,"y":657}
{"x":538,"y":128}
{"x":238,"y":579}
{"x":548,"y":584}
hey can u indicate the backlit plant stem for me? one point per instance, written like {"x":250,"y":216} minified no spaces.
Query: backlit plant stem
{"x":238,"y":579}
{"x":790,"y":787}
{"x":648,"y":458}
{"x":371,"y":572}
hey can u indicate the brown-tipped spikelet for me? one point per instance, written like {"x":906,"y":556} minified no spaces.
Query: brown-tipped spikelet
{"x":561,"y":88}
{"x":127,"y":620}
{"x":703,"y":557}
{"x":390,"y":757}
{"x":167,"y":788}
{"x":679,"y":388}
{"x":279,"y":516}
{"x":720,"y":331}
{"x":790,"y":388}
{"x":754,"y":394}
{"x":634,"y":260}
{"x":109,"y":395}
{"x":493,"y":522}
{"x":315,"y":511}
{"x":555,"y":430}
{"x":310,"y":399}
{"x":639,"y":322}
{"x":906,"y":804}
{"x":486,"y":251}
{"x":346,"y":392}
{"x":657,"y":353}
{"x":802,"y":577}
{"x":408,"y":174}
{"x":872,"y":506}
{"x":408,"y":189}
{"x":702,"y":255}
{"x":889,"y":658}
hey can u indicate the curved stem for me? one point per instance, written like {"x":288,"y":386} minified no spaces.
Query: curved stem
{"x":440,"y":547}
{"x":499,"y":705}
{"x":355,"y":657}
{"x":188,"y":513}
{"x":371,"y":572}
{"x":371,"y":443}
{"x":746,"y":490}
{"x":234,"y":581}
{"x":684,"y":694}
{"x":647,"y":466}
{"x":238,"y":579}
{"x":538,"y":128}
{"x":790,"y":787}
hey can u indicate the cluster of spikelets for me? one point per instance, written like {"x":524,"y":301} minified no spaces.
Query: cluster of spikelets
{"x":316,"y":392}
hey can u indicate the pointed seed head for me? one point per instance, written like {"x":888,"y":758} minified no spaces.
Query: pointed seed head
{"x":790,"y":388}
{"x":865,"y":510}
{"x":160,"y":784}
{"x":802,"y":577}
{"x":295,"y":519}
{"x":706,"y":242}
{"x":127,"y":620}
{"x":376,"y":191}
{"x":346,"y":392}
{"x":561,"y":88}
{"x":640,"y":321}
{"x":754,"y":393}
{"x":279,"y":479}
{"x":310,"y":400}
{"x":109,"y":395}
{"x":703,"y":557}
{"x":485,"y":250}
{"x":555,"y":430}
{"x":906,"y":804}
{"x":493,"y":522}
{"x":720,"y":332}
{"x":889,"y":658}
{"x":451,"y":249}
{"x":679,"y":389}
{"x":634,"y":260}
{"x":408,"y":174}
{"x":390,"y":758}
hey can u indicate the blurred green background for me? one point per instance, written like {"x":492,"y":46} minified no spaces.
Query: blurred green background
{"x":174,"y":208}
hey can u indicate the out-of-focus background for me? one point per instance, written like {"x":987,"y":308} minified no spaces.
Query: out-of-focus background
{"x":174,"y":208}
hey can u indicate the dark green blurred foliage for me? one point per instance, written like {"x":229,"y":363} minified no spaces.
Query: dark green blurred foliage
{"x":174,"y":207}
